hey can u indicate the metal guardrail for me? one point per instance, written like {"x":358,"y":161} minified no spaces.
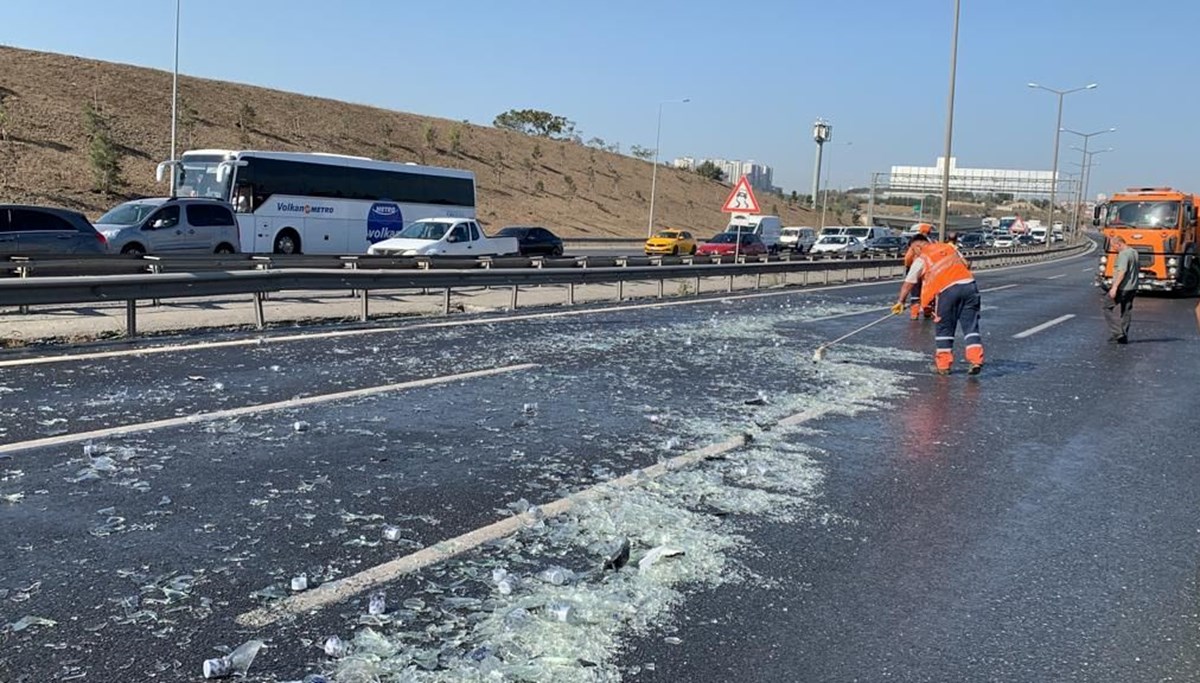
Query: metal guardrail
{"x":260,"y":276}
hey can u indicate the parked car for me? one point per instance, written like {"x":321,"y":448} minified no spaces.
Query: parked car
{"x":972,"y":240}
{"x":797,"y":238}
{"x":534,"y":240}
{"x":30,"y":230}
{"x":727,"y":243}
{"x":838,"y":244}
{"x":891,"y":244}
{"x":181,"y":224}
{"x":670,"y":242}
{"x":444,"y":237}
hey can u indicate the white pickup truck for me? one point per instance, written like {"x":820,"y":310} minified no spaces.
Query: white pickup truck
{"x":444,"y":237}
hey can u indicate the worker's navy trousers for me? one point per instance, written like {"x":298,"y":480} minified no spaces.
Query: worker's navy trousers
{"x":957,"y":306}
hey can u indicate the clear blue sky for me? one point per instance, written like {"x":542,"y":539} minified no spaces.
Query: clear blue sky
{"x":758,"y":73}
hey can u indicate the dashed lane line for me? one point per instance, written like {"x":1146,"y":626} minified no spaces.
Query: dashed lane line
{"x":201,"y":418}
{"x":1044,"y":326}
{"x":1055,"y":277}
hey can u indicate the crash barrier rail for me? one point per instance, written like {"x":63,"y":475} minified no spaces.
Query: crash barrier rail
{"x":364,"y":275}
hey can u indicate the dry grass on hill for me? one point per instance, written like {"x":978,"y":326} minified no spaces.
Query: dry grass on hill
{"x":584,"y":192}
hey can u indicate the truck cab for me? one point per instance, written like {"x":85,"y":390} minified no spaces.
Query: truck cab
{"x":1160,"y":223}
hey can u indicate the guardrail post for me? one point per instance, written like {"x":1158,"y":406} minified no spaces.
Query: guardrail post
{"x":260,"y":320}
{"x":155,"y":267}
{"x":261,"y":263}
{"x":446,"y":301}
{"x":131,"y":318}
{"x":570,"y":293}
{"x":512,"y":304}
{"x":624,"y":263}
{"x":350,"y":263}
{"x":23,"y":267}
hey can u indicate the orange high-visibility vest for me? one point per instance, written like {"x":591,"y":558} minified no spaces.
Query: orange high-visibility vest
{"x":944,"y":267}
{"x":909,"y":257}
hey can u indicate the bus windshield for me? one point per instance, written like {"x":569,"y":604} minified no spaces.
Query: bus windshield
{"x":424,"y":230}
{"x":199,"y":179}
{"x":1143,"y":214}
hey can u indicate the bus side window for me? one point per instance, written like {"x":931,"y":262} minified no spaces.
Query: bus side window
{"x":243,"y":199}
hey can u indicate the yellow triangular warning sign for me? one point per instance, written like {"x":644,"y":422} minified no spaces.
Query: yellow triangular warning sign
{"x":741,"y":200}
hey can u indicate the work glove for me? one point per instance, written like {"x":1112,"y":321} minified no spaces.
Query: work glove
{"x":897,"y":309}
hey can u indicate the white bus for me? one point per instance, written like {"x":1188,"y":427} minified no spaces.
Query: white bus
{"x":292,"y":203}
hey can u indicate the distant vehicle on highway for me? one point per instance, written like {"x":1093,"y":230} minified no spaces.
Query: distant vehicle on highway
{"x":972,"y":240}
{"x":33,"y":230}
{"x":1002,"y":240}
{"x":1025,"y":240}
{"x":444,"y":237}
{"x":157,"y":226}
{"x":890,"y":244}
{"x":838,"y":244}
{"x":797,"y":238}
{"x":766,"y":227}
{"x":291,"y":203}
{"x":533,"y":240}
{"x":670,"y":242}
{"x":729,"y":243}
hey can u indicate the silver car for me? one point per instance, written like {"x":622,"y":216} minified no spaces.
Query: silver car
{"x":154,"y":226}
{"x":32,"y":230}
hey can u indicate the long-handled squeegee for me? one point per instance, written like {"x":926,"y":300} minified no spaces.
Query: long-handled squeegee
{"x":819,"y":354}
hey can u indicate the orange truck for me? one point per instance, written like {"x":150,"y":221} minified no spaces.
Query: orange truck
{"x":1160,"y":223}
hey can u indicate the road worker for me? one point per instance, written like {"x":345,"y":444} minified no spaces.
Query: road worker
{"x":915,"y":306}
{"x":947,"y":283}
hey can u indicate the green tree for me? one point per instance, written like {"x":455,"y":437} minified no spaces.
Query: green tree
{"x":536,"y":122}
{"x":795,"y":197}
{"x":711,"y":171}
{"x":643,"y":153}
{"x":528,"y":165}
{"x":431,"y":138}
{"x":539,"y":187}
{"x":456,"y":140}
{"x":598,"y":143}
{"x":537,"y":152}
{"x":498,"y":166}
{"x":103,"y":156}
{"x":571,"y":189}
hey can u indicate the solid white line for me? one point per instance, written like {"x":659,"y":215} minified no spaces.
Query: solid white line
{"x":250,"y":410}
{"x":997,"y":289}
{"x":1046,"y":325}
{"x":254,"y":341}
{"x":1055,"y":277}
{"x":336,"y":591}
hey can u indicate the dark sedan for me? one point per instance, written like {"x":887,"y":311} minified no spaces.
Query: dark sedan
{"x":30,"y":230}
{"x":886,"y":245}
{"x":972,"y":240}
{"x":533,"y":240}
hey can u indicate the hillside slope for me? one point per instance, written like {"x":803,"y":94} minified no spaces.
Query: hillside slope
{"x":521,"y":179}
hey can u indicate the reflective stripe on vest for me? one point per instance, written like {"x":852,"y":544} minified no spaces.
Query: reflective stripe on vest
{"x":944,"y":267}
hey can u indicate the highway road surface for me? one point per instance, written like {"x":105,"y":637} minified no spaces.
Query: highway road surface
{"x":655,"y":491}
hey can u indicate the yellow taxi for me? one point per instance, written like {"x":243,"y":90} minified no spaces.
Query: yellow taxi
{"x":671,"y":243}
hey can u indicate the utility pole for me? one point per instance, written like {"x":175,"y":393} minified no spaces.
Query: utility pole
{"x":822,"y":133}
{"x":949,"y":129}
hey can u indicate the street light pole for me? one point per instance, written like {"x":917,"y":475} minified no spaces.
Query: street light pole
{"x":654,"y":171}
{"x":175,"y":98}
{"x":1087,"y":170}
{"x":825,"y":193}
{"x":1082,"y":171}
{"x":1057,"y":131}
{"x":949,"y":129}
{"x":822,"y":133}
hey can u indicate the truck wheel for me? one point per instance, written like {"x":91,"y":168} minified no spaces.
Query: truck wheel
{"x":287,"y":242}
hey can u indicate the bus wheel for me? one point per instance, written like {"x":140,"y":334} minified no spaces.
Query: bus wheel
{"x":287,"y":242}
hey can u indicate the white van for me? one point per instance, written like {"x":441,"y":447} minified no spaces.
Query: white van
{"x":766,"y":227}
{"x":865,"y":234}
{"x":797,"y":238}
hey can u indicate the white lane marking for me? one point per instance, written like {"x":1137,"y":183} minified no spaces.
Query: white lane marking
{"x":1055,"y":277}
{"x":997,"y":289}
{"x":200,"y":418}
{"x":1088,"y":269}
{"x":336,"y":591}
{"x":254,"y":341}
{"x":1044,"y":326}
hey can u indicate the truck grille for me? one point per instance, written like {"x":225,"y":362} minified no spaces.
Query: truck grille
{"x":1145,"y":256}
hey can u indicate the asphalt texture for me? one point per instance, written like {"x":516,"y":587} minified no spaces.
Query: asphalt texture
{"x":1035,"y":523}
